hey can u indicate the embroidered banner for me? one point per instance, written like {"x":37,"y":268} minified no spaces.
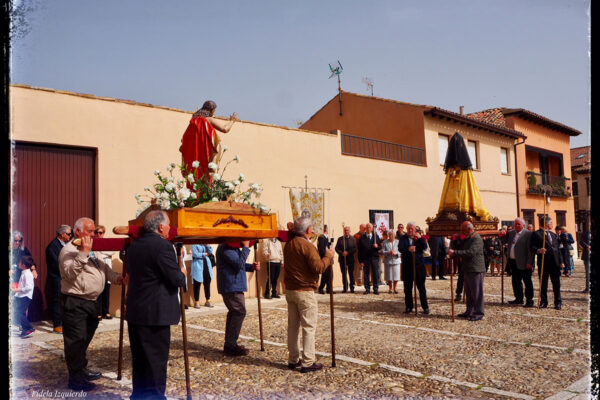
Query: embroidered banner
{"x":309,"y":204}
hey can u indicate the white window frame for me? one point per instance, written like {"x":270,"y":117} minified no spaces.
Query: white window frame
{"x":506,"y":160}
{"x":475,"y":159}
{"x":440,"y":150}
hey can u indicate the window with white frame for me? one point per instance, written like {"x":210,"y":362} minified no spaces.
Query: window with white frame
{"x":504,"y":160}
{"x":472,"y":150}
{"x":443,"y":141}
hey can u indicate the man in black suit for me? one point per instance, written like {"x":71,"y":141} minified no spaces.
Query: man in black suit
{"x":345,"y":248}
{"x":63,"y":235}
{"x":553,"y":263}
{"x":152,"y":305}
{"x":322,"y":245}
{"x":368,"y":256}
{"x":437,"y":248}
{"x":520,"y":261}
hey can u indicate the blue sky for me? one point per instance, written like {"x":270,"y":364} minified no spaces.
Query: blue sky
{"x":268,"y":60}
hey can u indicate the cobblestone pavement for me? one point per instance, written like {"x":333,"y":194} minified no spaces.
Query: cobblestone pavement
{"x":513,"y":353}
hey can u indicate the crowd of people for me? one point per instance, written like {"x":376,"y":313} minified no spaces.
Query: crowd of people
{"x":80,"y":280}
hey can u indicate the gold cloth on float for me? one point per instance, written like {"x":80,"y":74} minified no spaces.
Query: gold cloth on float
{"x":460,"y":193}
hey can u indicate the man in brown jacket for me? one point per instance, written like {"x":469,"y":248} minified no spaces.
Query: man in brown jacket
{"x":302,"y":268}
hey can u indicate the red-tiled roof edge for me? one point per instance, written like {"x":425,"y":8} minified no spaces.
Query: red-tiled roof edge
{"x":475,"y":122}
{"x":540,"y":119}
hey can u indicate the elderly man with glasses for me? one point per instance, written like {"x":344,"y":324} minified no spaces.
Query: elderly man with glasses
{"x":63,"y":236}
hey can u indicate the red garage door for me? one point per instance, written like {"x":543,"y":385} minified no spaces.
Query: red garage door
{"x":51,"y":186}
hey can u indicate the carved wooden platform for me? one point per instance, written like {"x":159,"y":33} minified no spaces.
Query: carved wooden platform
{"x":217,"y":222}
{"x":448,"y":223}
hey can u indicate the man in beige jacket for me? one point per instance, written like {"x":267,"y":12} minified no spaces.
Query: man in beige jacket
{"x":83,"y":276}
{"x":302,"y":268}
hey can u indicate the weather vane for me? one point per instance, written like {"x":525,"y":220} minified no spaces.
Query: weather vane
{"x":369,"y":82}
{"x":337,"y":71}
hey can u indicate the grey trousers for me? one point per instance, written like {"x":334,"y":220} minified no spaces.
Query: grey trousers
{"x":474,"y":293}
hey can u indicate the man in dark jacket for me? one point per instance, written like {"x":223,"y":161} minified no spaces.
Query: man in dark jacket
{"x":470,"y":251}
{"x":63,"y":235}
{"x":411,"y":247}
{"x":231,"y":284}
{"x":322,"y":245}
{"x":368,"y":256}
{"x":553,"y":262}
{"x":152,"y":305}
{"x":345,"y":248}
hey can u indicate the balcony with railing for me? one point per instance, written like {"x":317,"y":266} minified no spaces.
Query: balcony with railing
{"x":381,"y":150}
{"x":554,"y":186}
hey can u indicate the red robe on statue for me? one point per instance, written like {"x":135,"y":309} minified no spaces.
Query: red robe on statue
{"x":198,"y":144}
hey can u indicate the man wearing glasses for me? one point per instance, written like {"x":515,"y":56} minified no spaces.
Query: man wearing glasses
{"x":63,"y":235}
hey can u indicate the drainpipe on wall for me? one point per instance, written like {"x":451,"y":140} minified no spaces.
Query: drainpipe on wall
{"x":517,"y":177}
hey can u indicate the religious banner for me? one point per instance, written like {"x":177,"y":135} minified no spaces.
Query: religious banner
{"x":382,"y":220}
{"x":309,"y":204}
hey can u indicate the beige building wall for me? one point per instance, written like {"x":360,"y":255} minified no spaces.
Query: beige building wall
{"x":134,"y":140}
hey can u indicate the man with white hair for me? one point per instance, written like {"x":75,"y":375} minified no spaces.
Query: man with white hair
{"x":82,"y":280}
{"x":547,"y":249}
{"x":470,"y":251}
{"x":520,"y":261}
{"x":302,"y":268}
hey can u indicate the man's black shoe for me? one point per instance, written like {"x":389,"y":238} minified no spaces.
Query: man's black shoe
{"x":236,"y":351}
{"x":558,"y":306}
{"x":585,"y":291}
{"x":458,"y":297}
{"x":475,"y":318}
{"x":515,"y":302}
{"x":443,"y":278}
{"x":426,"y":311}
{"x":91,"y":375}
{"x":276,"y":296}
{"x":345,"y":291}
{"x":295,"y":365}
{"x":321,"y":291}
{"x":80,"y":384}
{"x":352,"y":290}
{"x":267,"y":296}
{"x":433,"y":278}
{"x":463,"y":315}
{"x":529,"y":304}
{"x":376,"y":292}
{"x":543,"y":305}
{"x":314,"y":367}
{"x":408,"y":311}
{"x":367,"y":291}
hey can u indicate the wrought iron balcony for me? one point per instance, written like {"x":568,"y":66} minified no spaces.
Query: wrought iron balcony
{"x":554,"y":186}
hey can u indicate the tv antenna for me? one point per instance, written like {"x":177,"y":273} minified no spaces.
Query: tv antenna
{"x":337,"y":71}
{"x":369,"y":82}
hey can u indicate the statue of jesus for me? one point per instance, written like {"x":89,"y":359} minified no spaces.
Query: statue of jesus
{"x":201,"y":142}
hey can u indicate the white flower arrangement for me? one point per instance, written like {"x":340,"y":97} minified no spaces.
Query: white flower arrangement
{"x":193,"y":189}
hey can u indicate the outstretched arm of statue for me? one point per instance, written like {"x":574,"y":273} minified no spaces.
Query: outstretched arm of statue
{"x":222,"y":126}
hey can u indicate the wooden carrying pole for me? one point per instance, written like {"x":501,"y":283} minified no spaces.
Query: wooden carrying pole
{"x":188,"y":386}
{"x":123,"y":256}
{"x":331,"y":313}
{"x":502,"y":249}
{"x":260,"y":325}
{"x":450,"y":263}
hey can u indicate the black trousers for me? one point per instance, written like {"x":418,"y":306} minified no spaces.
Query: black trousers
{"x":371,"y":267}
{"x":347,"y":271}
{"x":325,"y":281}
{"x":149,"y":356}
{"x":460,"y":282}
{"x":236,"y":306}
{"x":207,"y":280}
{"x":274,"y":269}
{"x":104,"y":300}
{"x":407,"y":279}
{"x":553,"y":272}
{"x":521,"y":277}
{"x":79,"y":322}
{"x":55,"y":302}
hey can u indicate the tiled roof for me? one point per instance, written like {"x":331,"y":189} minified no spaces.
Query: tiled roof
{"x":581,"y":158}
{"x":497,"y":116}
